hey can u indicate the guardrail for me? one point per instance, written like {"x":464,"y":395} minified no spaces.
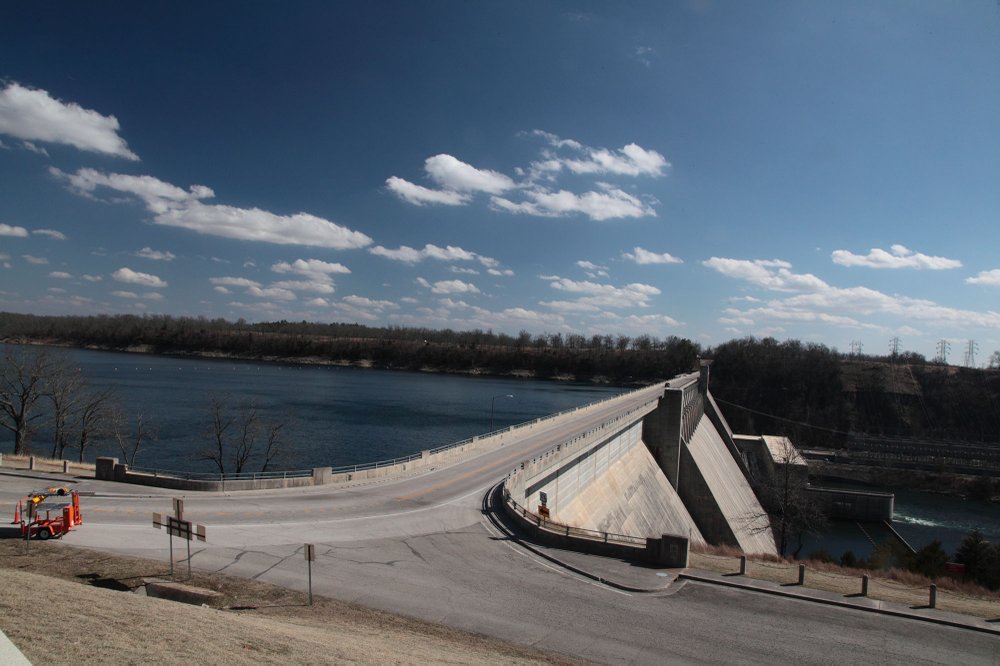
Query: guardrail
{"x":215,"y":476}
{"x":570,"y":530}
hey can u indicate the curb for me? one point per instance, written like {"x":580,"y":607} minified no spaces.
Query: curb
{"x":838,"y":603}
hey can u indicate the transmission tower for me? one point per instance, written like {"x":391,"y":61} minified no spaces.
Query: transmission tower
{"x":856,"y":347}
{"x":970,"y":353}
{"x":894,"y":347}
{"x":943,"y":347}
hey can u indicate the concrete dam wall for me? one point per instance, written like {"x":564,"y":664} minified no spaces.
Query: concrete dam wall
{"x":670,"y":467}
{"x":614,"y":486}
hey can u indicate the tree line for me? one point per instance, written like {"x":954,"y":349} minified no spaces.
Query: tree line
{"x":809,"y":392}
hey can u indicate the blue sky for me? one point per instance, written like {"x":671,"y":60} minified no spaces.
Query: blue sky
{"x":811,"y":170}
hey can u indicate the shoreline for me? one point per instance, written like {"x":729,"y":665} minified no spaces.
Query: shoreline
{"x":318,"y":361}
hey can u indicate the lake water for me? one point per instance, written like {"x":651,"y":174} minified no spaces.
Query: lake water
{"x":335,"y":415}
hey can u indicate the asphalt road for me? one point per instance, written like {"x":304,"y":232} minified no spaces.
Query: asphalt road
{"x":423,"y":546}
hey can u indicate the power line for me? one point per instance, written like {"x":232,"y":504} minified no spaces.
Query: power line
{"x":970,"y":353}
{"x":943,"y":347}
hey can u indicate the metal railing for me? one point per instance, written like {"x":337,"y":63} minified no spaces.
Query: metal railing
{"x":216,"y":476}
{"x":569,"y":530}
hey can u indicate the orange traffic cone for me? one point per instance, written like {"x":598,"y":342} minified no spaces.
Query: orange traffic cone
{"x":17,"y":513}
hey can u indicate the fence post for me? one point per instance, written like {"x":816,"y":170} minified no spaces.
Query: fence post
{"x":802,"y":574}
{"x":65,"y":467}
{"x":743,"y":565}
{"x":932,"y":601}
{"x":864,"y":585}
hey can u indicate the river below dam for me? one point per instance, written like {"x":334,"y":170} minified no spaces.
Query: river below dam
{"x":344,"y":415}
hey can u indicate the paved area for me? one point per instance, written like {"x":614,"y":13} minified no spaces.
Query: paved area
{"x":429,"y":546}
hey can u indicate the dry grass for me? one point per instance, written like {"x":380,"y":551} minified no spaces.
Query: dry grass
{"x":55,"y":619}
{"x":895,"y":586}
{"x":45,"y":464}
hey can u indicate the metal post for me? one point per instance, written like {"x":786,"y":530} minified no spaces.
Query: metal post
{"x":189,"y":556}
{"x":171,"y":551}
{"x":932,"y":602}
{"x":743,"y":565}
{"x":864,"y":585}
{"x":310,"y":564}
{"x":802,"y":574}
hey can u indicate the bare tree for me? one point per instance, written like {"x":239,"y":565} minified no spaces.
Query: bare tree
{"x":236,"y":436}
{"x":129,"y":436}
{"x":791,"y":510}
{"x":63,"y":388}
{"x":21,"y":387}
{"x":93,"y":419}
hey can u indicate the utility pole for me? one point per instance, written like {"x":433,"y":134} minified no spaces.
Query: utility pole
{"x":943,"y":347}
{"x":894,"y":346}
{"x":970,"y":353}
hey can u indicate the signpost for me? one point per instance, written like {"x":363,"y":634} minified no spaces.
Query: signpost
{"x":310,"y":552}
{"x":177,"y":526}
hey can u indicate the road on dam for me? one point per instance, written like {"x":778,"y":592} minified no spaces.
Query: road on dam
{"x":424,"y":546}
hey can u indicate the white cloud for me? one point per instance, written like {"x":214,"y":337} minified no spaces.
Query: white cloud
{"x":38,"y":150}
{"x":411,"y":255}
{"x":38,"y":261}
{"x":630,"y":160}
{"x":153,"y":296}
{"x":464,"y":271}
{"x":612,"y":203}
{"x":310,"y":267}
{"x":420,"y":195}
{"x":175,"y":207}
{"x":318,"y":302}
{"x":590,"y":266}
{"x":504,"y":272}
{"x":51,"y":233}
{"x":233,"y":282}
{"x":365,"y":302}
{"x":278,"y":293}
{"x":455,"y":175}
{"x":17,"y":232}
{"x":762,"y":273}
{"x":155,"y":255}
{"x":644,"y":54}
{"x":129,"y":276}
{"x":61,"y":275}
{"x":449,"y":286}
{"x":816,"y":301}
{"x":31,"y":114}
{"x":57,"y":290}
{"x":312,"y":286}
{"x":898,"y":256}
{"x":92,"y":278}
{"x":125,"y":294}
{"x":991,"y":278}
{"x":459,"y":181}
{"x":641,"y":256}
{"x":596,"y":296}
{"x":222,"y":290}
